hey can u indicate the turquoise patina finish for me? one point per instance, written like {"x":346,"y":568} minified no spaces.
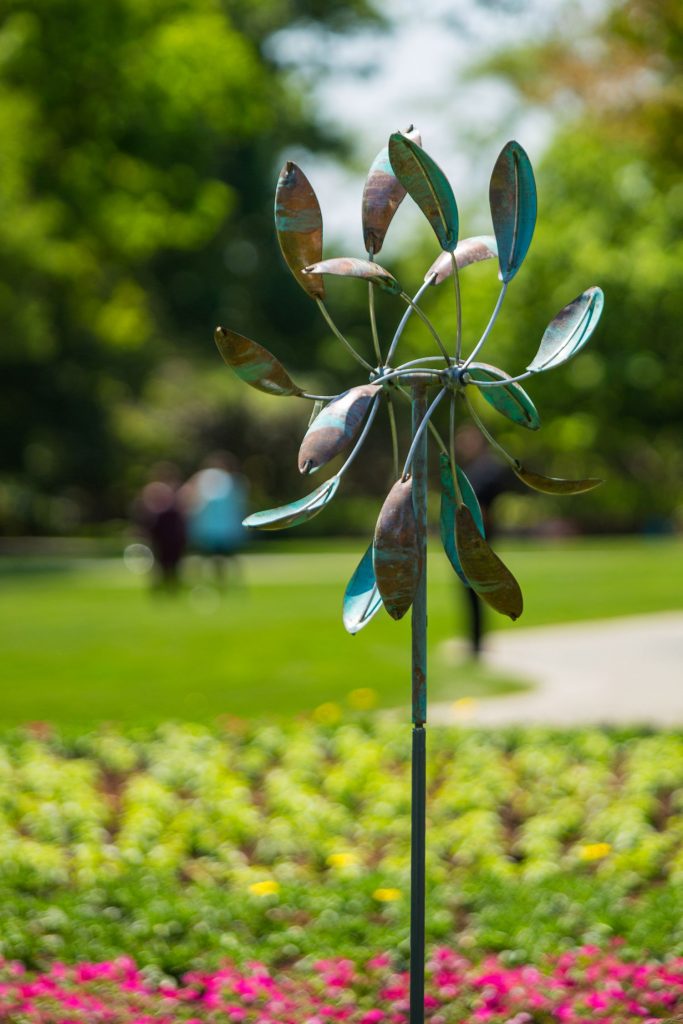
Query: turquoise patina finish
{"x":512,"y":197}
{"x":569,"y":331}
{"x":428,"y":186}
{"x":449,"y":504}
{"x":510,"y":398}
{"x":361,"y":597}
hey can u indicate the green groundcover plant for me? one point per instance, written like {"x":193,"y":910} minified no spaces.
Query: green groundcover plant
{"x":186,"y":846}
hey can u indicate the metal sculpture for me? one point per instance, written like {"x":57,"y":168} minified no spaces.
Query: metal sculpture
{"x":392,"y":572}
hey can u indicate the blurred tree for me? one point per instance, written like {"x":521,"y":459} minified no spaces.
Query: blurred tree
{"x":611,"y":213}
{"x":136,"y":177}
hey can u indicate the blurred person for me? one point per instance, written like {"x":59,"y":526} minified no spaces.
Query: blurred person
{"x":215,"y":500}
{"x":490,"y":477}
{"x":159,"y":514}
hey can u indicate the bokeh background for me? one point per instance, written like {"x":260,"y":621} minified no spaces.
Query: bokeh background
{"x":142,"y":143}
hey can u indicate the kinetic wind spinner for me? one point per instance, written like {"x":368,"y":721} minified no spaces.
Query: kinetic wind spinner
{"x":392,"y":572}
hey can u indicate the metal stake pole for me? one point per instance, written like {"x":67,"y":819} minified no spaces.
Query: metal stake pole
{"x":419,"y":705}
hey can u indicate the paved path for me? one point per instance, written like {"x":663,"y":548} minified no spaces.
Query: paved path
{"x":615,"y":671}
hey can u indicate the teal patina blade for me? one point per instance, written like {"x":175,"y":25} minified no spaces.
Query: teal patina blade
{"x":512,"y":196}
{"x":488,"y":576}
{"x":448,"y":507}
{"x":335,"y":428}
{"x":510,"y":399}
{"x":362,"y":599}
{"x":382,"y":196}
{"x":254,"y":364}
{"x":425,"y":182}
{"x":554,"y":484}
{"x":299,"y":226}
{"x":467,"y":251}
{"x":397,"y":555}
{"x":352,"y":266}
{"x":569,"y":331}
{"x":296,"y":512}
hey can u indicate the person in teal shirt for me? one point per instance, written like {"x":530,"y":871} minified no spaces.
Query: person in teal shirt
{"x":215,"y":499}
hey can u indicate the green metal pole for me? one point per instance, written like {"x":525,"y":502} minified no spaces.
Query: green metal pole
{"x":419,"y":708}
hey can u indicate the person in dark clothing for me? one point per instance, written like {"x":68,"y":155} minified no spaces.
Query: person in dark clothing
{"x":159,"y":514}
{"x":490,"y":477}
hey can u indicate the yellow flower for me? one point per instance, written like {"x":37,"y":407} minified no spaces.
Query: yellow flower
{"x":464,"y":707}
{"x":341,"y":860}
{"x":327,"y":714}
{"x":267,"y":888}
{"x":595,"y":851}
{"x":386,"y":895}
{"x":362,"y":699}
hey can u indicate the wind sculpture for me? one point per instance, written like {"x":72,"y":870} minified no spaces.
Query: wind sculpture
{"x":392,"y":572}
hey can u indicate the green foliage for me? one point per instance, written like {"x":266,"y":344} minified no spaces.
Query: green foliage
{"x":135,"y":181}
{"x":158,"y":844}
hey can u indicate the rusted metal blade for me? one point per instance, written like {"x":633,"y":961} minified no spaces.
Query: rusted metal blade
{"x":554,"y":484}
{"x":512,"y":196}
{"x":569,"y":331}
{"x":254,"y":364}
{"x":510,"y":399}
{"x":335,"y":428}
{"x":396,"y":554}
{"x":486,"y":574}
{"x":361,"y":598}
{"x":448,"y":507}
{"x":296,"y":512}
{"x":468,"y":250}
{"x":428,"y":186}
{"x":382,"y":196}
{"x":299,"y":226}
{"x":350,"y":266}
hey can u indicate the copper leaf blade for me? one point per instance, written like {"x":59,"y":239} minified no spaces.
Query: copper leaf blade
{"x":509,"y":399}
{"x":296,"y":512}
{"x":350,"y":266}
{"x":254,"y":364}
{"x":396,"y":555}
{"x":512,"y":196}
{"x":425,"y":182}
{"x":554,"y":484}
{"x":335,"y":428}
{"x":382,"y":196}
{"x":299,"y":226}
{"x":467,"y":251}
{"x":361,"y":598}
{"x":487,"y":575}
{"x":448,"y":507}
{"x":569,"y":331}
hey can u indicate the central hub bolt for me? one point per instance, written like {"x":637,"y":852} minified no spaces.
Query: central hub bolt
{"x":455,"y":377}
{"x":378,"y":373}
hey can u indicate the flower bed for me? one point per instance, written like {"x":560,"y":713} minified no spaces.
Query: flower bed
{"x":188,"y":846}
{"x":585,"y":987}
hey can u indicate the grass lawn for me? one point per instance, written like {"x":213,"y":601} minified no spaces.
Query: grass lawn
{"x":85,"y":641}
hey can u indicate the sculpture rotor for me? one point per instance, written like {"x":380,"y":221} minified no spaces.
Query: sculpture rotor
{"x":388,"y":572}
